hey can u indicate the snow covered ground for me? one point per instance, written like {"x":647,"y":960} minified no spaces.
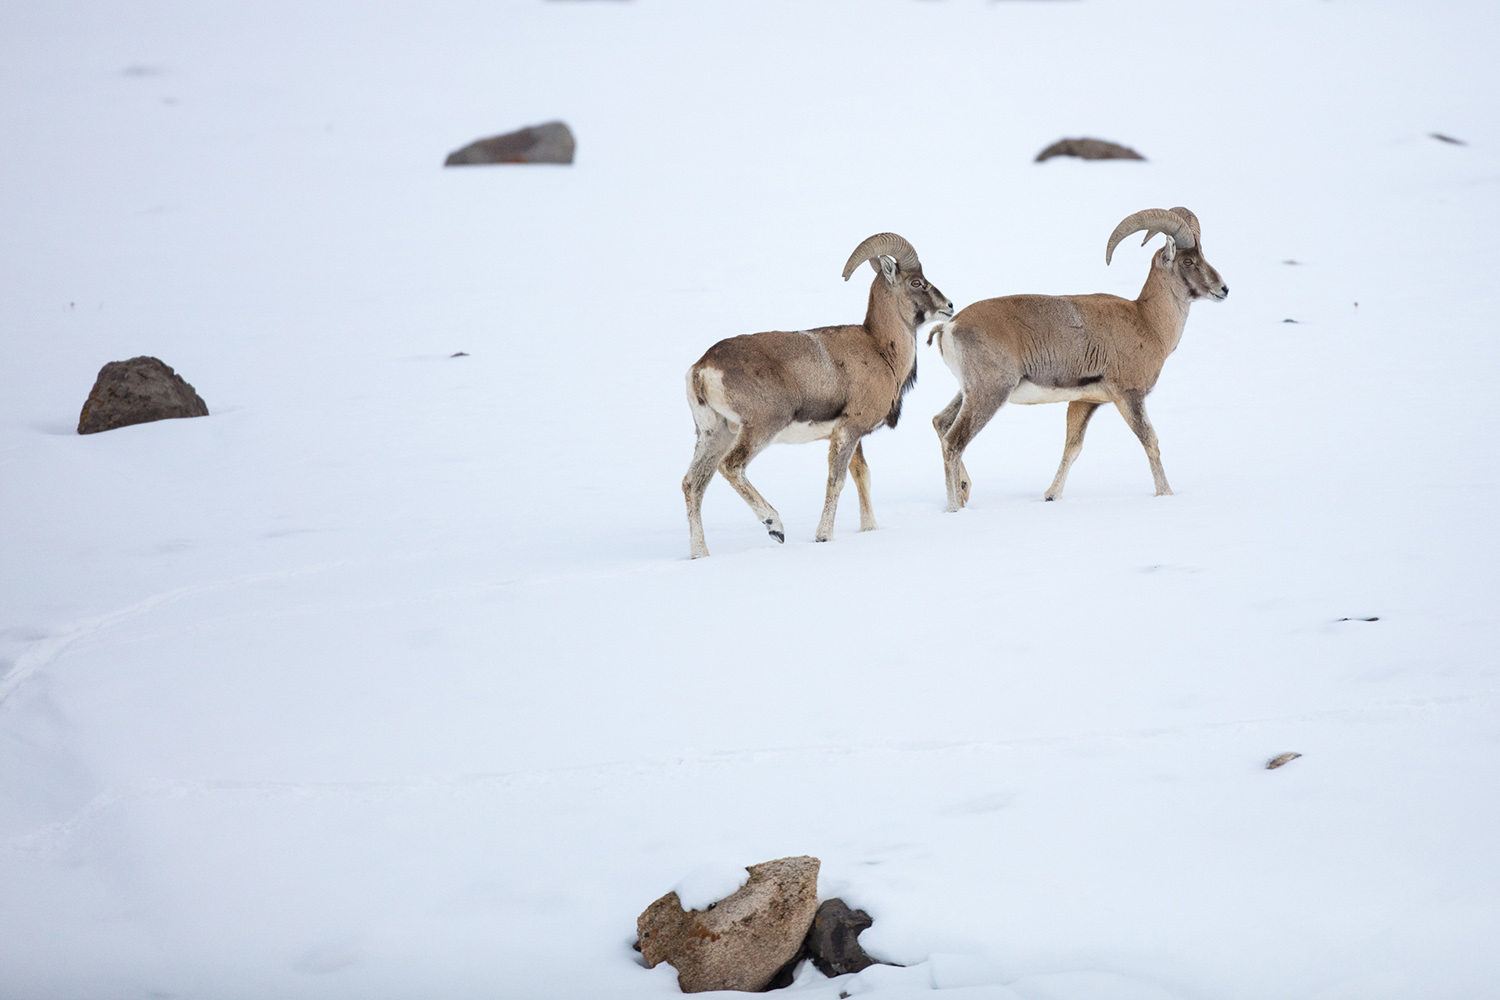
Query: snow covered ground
{"x":391,"y":678}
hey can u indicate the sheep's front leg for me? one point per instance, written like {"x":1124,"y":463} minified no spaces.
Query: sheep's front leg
{"x":1132,"y":406}
{"x":860,"y":470}
{"x":841,"y":445}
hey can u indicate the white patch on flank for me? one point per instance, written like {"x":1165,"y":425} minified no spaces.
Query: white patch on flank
{"x":948,"y":349}
{"x":713,"y":391}
{"x":1028,"y":393}
{"x":804,"y":431}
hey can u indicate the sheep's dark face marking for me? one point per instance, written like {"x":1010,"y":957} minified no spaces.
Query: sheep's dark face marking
{"x":924,"y":301}
{"x":1198,"y":276}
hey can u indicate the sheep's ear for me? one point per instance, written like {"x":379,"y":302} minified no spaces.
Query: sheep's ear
{"x":1169,"y":252}
{"x":888,"y":268}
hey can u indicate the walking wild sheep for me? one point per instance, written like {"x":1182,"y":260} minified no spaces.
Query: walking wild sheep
{"x":1084,"y":350}
{"x":837,"y":383}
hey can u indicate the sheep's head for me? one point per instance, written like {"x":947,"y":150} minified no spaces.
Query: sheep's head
{"x":895,"y":260}
{"x":1181,"y":257}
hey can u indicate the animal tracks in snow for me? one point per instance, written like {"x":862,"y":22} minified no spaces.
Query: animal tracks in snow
{"x":54,"y":838}
{"x":46,"y":649}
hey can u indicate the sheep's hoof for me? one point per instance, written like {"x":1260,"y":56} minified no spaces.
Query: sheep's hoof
{"x":1050,"y":497}
{"x":821,"y":538}
{"x":780,"y":536}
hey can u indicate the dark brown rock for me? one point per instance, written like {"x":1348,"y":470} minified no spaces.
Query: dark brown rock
{"x":551,"y":142}
{"x":741,"y":941}
{"x":137,"y":391}
{"x":1088,"y":149}
{"x":833,"y":941}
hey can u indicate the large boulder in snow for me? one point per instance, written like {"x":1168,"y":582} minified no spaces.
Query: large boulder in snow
{"x":136,"y":392}
{"x":741,"y":941}
{"x":1088,"y":149}
{"x":551,"y":142}
{"x":833,"y":941}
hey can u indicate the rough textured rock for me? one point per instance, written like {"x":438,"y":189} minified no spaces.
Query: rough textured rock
{"x":1088,"y":149}
{"x":136,"y":392}
{"x":741,"y":941}
{"x":833,"y":941}
{"x":548,"y":143}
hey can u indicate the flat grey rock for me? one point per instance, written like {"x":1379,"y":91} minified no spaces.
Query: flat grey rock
{"x":1088,"y":149}
{"x":137,"y":391}
{"x":551,"y":142}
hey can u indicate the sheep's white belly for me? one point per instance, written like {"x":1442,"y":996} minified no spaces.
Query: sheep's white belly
{"x":802,"y":432}
{"x":1028,"y":393}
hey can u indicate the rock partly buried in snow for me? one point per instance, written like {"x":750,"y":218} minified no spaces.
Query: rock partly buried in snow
{"x":741,"y":941}
{"x":551,"y":142}
{"x":1088,"y":149}
{"x":833,"y":941}
{"x":137,"y":391}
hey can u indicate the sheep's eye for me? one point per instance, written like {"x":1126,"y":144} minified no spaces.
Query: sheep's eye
{"x":916,"y":282}
{"x":1189,"y":263}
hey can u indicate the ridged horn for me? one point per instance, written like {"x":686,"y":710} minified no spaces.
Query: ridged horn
{"x":883,"y":245}
{"x":1192,"y":220}
{"x":1155,"y":220}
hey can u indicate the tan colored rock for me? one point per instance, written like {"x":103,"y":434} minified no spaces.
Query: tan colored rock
{"x":741,"y":941}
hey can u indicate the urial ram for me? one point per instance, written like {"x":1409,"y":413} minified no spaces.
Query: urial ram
{"x":837,"y":383}
{"x":1083,"y":350}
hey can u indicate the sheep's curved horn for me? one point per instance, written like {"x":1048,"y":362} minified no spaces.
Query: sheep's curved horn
{"x":883,"y":245}
{"x":1155,"y":220}
{"x":1192,"y":220}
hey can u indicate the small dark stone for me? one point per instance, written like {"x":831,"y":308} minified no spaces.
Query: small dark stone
{"x":1289,"y":321}
{"x":1088,"y":149}
{"x":1440,"y":137}
{"x":137,"y":391}
{"x":833,"y":941}
{"x":551,"y":142}
{"x":459,"y":354}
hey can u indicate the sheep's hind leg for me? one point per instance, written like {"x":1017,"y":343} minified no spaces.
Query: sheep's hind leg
{"x":860,"y":470}
{"x":714,"y":440}
{"x":940,"y":423}
{"x":1079,"y":413}
{"x":749,"y":444}
{"x":976,"y":411}
{"x":841,"y":446}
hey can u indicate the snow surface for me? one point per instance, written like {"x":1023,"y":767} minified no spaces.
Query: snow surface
{"x":391,"y":678}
